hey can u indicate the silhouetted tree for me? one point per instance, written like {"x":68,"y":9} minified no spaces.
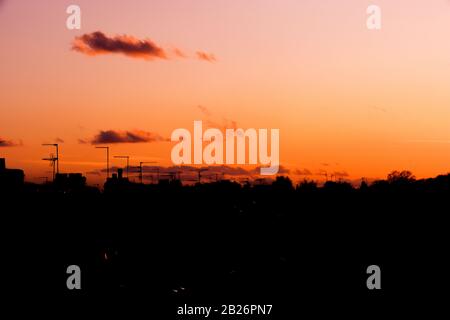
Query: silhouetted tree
{"x":307,"y":186}
{"x":363,"y":186}
{"x":341,"y":186}
{"x":401,"y":177}
{"x":282,"y":184}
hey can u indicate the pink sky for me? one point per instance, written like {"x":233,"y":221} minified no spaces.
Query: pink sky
{"x":365,"y":102}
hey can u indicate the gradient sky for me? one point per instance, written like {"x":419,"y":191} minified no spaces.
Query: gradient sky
{"x":344,"y":98}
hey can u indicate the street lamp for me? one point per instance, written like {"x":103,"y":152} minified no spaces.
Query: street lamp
{"x":107,"y":160}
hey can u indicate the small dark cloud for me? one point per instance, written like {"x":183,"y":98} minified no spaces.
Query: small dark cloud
{"x":302,"y":172}
{"x":340,"y":174}
{"x":114,"y":136}
{"x":96,"y":43}
{"x":209,"y":57}
{"x":281,"y":170}
{"x":7,"y":143}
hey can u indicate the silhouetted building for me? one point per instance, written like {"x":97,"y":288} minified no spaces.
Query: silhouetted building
{"x":10,"y":179}
{"x":70,"y":181}
{"x":117,"y":183}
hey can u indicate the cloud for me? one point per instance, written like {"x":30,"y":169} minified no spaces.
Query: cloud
{"x":179,"y":53}
{"x":302,"y":172}
{"x":281,"y":170}
{"x":340,"y":174}
{"x":114,"y":136}
{"x":7,"y":143}
{"x":204,"y":110}
{"x":206,"y":56}
{"x":209,"y":123}
{"x":96,"y":43}
{"x":190,"y":173}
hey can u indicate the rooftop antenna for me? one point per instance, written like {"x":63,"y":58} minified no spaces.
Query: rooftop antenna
{"x":56,"y":159}
{"x":52,"y":160}
{"x":128,"y":162}
{"x":107,"y":160}
{"x":141,"y":170}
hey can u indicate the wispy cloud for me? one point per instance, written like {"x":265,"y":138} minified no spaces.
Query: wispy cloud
{"x":179,"y":53}
{"x":115,"y":136}
{"x":302,"y":172}
{"x":210,"y":123}
{"x":204,"y":110}
{"x":209,"y":57}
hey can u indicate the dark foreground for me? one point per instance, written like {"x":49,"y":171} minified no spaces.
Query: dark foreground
{"x":298,"y":251}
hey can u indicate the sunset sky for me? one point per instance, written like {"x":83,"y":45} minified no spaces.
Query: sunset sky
{"x":346,"y":99}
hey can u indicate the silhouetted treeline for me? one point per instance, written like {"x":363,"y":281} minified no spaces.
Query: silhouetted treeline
{"x":397,"y":181}
{"x":225,"y":242}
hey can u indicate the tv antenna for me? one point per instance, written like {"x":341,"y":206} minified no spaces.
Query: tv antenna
{"x":53,"y":158}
